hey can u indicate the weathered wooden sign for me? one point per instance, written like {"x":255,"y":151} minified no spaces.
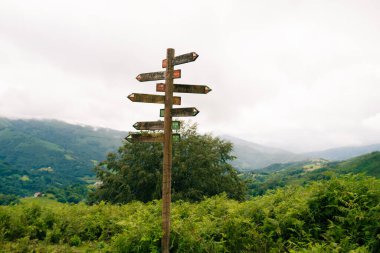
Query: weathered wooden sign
{"x":149,"y":98}
{"x":181,"y":112}
{"x":181,"y":59}
{"x":167,"y":136}
{"x":153,"y":76}
{"x":185,"y":88}
{"x":155,"y":125}
{"x":149,"y":137}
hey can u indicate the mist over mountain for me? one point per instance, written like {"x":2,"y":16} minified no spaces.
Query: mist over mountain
{"x":252,"y":156}
{"x":343,"y":153}
{"x":72,"y":150}
{"x":32,"y":144}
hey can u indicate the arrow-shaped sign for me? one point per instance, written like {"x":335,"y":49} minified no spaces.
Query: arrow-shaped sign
{"x":155,"y":125}
{"x":181,"y":112}
{"x":185,"y":88}
{"x":148,"y":137}
{"x":157,"y":75}
{"x":149,"y":98}
{"x":181,"y":59}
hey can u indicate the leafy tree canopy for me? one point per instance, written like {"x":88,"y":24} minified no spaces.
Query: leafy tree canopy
{"x":200,"y":168}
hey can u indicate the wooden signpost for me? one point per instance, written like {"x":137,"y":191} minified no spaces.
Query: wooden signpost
{"x":149,"y":137}
{"x":182,"y":112}
{"x":181,"y":59}
{"x":168,"y":125}
{"x":153,"y":76}
{"x":155,"y":125}
{"x":148,"y":98}
{"x":185,"y":88}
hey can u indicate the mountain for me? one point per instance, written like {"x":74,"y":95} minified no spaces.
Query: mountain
{"x":343,"y":153}
{"x":251,"y":156}
{"x":301,"y":173}
{"x":37,"y":154}
{"x":368,"y":164}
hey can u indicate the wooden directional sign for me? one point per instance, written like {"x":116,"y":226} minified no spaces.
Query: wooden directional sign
{"x":185,"y":88}
{"x":181,"y":112}
{"x":157,"y":75}
{"x":147,"y":137}
{"x":149,"y":98}
{"x":166,"y":136}
{"x":181,"y":59}
{"x":155,"y":125}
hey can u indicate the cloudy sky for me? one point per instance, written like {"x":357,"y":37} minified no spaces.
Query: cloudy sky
{"x":299,"y":75}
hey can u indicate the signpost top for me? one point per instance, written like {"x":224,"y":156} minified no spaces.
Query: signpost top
{"x":181,"y":59}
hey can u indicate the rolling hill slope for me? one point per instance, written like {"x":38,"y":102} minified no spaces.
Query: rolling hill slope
{"x":301,"y":173}
{"x":36,"y":154}
{"x":252,"y":156}
{"x":33,"y":144}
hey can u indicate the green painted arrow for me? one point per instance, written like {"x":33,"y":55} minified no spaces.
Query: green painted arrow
{"x":155,"y":125}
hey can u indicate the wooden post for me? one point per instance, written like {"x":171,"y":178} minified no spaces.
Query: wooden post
{"x":168,"y":112}
{"x":167,"y":164}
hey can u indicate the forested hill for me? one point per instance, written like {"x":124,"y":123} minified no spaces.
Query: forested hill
{"x":37,"y":153}
{"x":301,"y":173}
{"x":252,"y":156}
{"x":368,"y":164}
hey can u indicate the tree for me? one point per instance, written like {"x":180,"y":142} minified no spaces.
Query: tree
{"x":8,"y":199}
{"x":200,"y":168}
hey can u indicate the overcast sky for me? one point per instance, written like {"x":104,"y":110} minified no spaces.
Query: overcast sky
{"x":299,"y":75}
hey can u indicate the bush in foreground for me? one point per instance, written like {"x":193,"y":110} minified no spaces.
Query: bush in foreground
{"x":340,"y":215}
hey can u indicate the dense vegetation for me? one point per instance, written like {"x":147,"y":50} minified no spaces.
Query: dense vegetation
{"x":48,"y":155}
{"x":338,"y":215}
{"x":200,"y":168}
{"x":14,"y":182}
{"x":310,"y":206}
{"x":302,"y":173}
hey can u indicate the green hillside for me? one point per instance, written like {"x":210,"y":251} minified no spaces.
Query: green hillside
{"x":324,"y":216}
{"x":301,"y":173}
{"x":252,"y":156}
{"x":368,"y":164}
{"x":39,"y":154}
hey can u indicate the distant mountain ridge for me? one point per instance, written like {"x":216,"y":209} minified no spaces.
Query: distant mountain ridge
{"x":72,"y":149}
{"x":343,"y":153}
{"x":32,"y":144}
{"x":252,"y":156}
{"x":301,"y":173}
{"x":37,"y":154}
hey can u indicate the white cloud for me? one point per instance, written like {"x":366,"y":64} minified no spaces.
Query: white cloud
{"x":373,"y":122}
{"x":297,"y":75}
